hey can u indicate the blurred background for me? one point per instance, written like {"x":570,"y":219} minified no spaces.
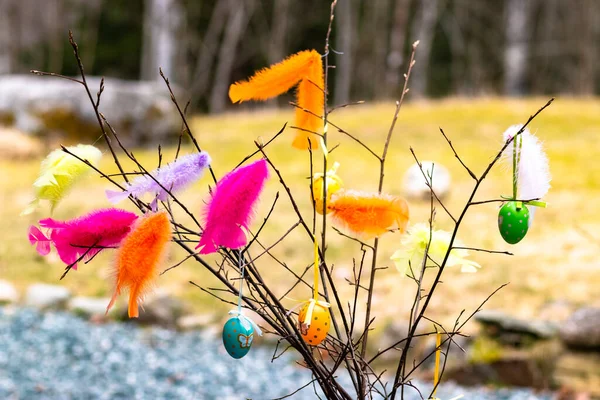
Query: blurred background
{"x":482,"y":66}
{"x":468,"y":48}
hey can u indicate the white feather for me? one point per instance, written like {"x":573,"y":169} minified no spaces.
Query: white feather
{"x":533,"y":179}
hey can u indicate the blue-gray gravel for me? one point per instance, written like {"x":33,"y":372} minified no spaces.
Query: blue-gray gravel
{"x":56,"y":355}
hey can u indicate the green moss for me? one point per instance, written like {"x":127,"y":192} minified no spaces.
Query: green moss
{"x":485,"y":350}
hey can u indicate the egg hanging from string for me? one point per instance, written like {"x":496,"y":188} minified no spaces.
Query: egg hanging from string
{"x":334,"y":184}
{"x":314,"y":331}
{"x":238,"y":334}
{"x":513,"y":221}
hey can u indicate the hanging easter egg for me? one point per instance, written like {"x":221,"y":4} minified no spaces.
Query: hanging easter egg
{"x":316,"y":331}
{"x":238,"y":334}
{"x":334,"y":183}
{"x":513,"y":221}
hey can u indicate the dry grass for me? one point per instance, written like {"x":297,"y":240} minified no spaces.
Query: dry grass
{"x":555,"y":261}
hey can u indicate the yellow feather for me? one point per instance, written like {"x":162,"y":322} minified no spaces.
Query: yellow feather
{"x":58,"y":173}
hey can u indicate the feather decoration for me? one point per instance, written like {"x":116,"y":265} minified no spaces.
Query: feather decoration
{"x":409,"y":257}
{"x":275,"y":80}
{"x":138,"y":259}
{"x":59,"y":171}
{"x":310,"y":96}
{"x":174,"y":177}
{"x":305,"y":68}
{"x":231,"y":207}
{"x":533,"y":171}
{"x":369,"y":214}
{"x":83,"y":237}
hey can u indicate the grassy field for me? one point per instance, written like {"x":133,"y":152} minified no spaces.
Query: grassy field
{"x":554,"y":262}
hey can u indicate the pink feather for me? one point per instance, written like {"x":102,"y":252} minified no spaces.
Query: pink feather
{"x":83,"y":237}
{"x":231,"y":207}
{"x":39,"y":240}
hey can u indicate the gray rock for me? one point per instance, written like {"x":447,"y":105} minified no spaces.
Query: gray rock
{"x":8,"y":293}
{"x":88,"y":306}
{"x":415,"y":185}
{"x":161,"y":309}
{"x":45,"y":296}
{"x":141,"y":112}
{"x":197,"y":321}
{"x":514,"y":331}
{"x":582,"y":329}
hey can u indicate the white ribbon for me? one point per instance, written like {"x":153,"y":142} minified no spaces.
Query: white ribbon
{"x":246,"y":320}
{"x":309,"y":310}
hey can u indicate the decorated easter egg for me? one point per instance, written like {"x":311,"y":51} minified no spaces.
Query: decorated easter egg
{"x":513,"y":221}
{"x":237,"y":337}
{"x":334,"y":184}
{"x":316,"y":332}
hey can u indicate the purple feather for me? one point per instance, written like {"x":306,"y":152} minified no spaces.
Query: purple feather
{"x":174,"y":177}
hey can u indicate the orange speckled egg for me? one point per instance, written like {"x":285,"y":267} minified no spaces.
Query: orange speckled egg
{"x":319,"y":326}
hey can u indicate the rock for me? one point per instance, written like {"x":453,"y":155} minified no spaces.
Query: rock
{"x":140,"y":112}
{"x":16,"y":145}
{"x":88,"y":306}
{"x":191,"y":322}
{"x":582,"y":329}
{"x":514,"y":331}
{"x":415,"y":185}
{"x":579,"y":371}
{"x":45,"y":296}
{"x":8,"y":293}
{"x":161,"y":309}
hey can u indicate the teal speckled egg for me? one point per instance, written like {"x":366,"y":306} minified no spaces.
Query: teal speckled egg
{"x":237,"y":337}
{"x":513,"y":222}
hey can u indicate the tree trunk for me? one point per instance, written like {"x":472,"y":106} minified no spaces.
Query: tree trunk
{"x":343,"y":42}
{"x":162,"y":19}
{"x":517,"y":34}
{"x":279,"y":30}
{"x":6,"y":52}
{"x":425,"y":21}
{"x":586,"y":48}
{"x":395,"y":56}
{"x":239,"y":15}
{"x":208,"y":52}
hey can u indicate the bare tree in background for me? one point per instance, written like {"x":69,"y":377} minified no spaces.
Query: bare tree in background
{"x":517,"y":35}
{"x":240,"y":13}
{"x":6,"y":51}
{"x":427,"y":16}
{"x":162,"y":20}
{"x":395,"y":56}
{"x":345,"y":28}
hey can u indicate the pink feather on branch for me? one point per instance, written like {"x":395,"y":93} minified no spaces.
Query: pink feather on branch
{"x":231,"y":207}
{"x":82,"y":237}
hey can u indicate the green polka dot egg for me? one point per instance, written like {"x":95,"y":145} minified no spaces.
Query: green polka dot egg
{"x":513,"y":221}
{"x":237,"y":337}
{"x":316,"y":332}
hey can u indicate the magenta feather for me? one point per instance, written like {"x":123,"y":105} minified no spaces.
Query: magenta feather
{"x":82,"y":237}
{"x":174,"y":177}
{"x":231,"y":207}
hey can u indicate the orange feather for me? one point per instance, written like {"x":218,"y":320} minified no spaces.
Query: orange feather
{"x":310,"y":96}
{"x":369,"y":214}
{"x":275,"y":80}
{"x":139,"y":257}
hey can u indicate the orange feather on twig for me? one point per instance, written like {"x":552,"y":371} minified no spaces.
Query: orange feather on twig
{"x":304,"y":69}
{"x":369,"y":214}
{"x":311,"y":97}
{"x":275,"y":80}
{"x":138,"y":259}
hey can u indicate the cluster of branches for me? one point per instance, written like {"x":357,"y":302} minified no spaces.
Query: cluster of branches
{"x":345,"y":347}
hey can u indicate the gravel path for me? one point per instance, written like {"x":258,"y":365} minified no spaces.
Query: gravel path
{"x":59,"y":356}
